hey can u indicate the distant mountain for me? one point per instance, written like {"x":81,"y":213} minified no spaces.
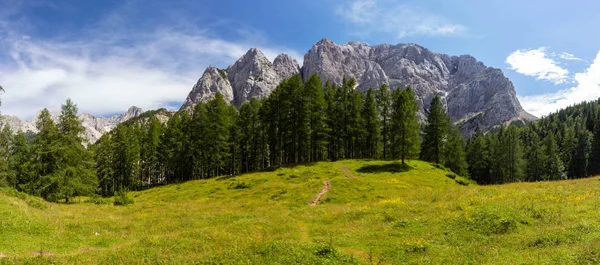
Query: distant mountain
{"x":95,"y":127}
{"x":474,"y":95}
{"x":253,"y":75}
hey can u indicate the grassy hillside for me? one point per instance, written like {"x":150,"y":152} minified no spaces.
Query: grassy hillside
{"x":374,"y":213}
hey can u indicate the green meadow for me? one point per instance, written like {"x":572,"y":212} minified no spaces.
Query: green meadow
{"x":375,"y":212}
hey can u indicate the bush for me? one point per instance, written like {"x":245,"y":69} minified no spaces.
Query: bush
{"x":462,"y":181}
{"x":96,"y":199}
{"x":239,"y":185}
{"x":122,"y":199}
{"x":451,"y":175}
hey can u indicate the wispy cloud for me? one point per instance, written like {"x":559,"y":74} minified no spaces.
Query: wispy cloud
{"x":587,"y":88}
{"x":540,"y":64}
{"x":150,"y":69}
{"x":391,"y":17}
{"x":567,"y":56}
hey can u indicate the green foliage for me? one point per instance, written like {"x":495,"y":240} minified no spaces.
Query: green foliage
{"x":383,"y":97}
{"x":435,"y":132}
{"x":405,"y":125}
{"x":96,"y":199}
{"x":122,"y":199}
{"x":372,"y":125}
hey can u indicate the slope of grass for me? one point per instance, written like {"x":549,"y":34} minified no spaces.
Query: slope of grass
{"x":375,"y":213}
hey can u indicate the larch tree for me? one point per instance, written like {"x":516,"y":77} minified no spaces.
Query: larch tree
{"x":435,"y":132}
{"x":405,"y":125}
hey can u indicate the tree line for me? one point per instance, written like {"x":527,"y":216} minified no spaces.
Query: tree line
{"x":563,"y":145}
{"x":299,"y":122}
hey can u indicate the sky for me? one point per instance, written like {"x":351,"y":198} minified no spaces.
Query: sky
{"x":108,"y":55}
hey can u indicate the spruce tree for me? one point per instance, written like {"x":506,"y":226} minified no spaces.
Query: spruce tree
{"x":7,"y":176}
{"x":595,"y":152}
{"x":313,"y":91}
{"x":478,"y":158}
{"x":75,"y":175}
{"x":103,"y":155}
{"x":20,"y":161}
{"x":371,"y":124}
{"x":553,"y":165}
{"x":44,"y":157}
{"x":582,"y":150}
{"x":384,"y":107}
{"x":536,"y":158}
{"x":435,"y":132}
{"x":405,"y":125}
{"x":219,"y":124}
{"x":454,"y":156}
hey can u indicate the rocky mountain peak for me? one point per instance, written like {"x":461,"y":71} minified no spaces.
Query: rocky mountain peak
{"x":253,"y":75}
{"x":94,"y":127}
{"x":285,"y":66}
{"x":213,"y":81}
{"x":475,"y":95}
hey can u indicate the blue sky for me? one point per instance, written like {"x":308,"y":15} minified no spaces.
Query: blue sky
{"x":108,"y":55}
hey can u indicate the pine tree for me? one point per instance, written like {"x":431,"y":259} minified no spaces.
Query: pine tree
{"x":44,"y":156}
{"x":218,"y":135}
{"x":478,"y":158}
{"x":405,"y":125}
{"x":7,"y":175}
{"x":384,"y":107}
{"x":20,"y":161}
{"x":149,"y":157}
{"x":75,"y":175}
{"x":435,"y":132}
{"x":372,"y":126}
{"x":582,"y":150}
{"x":313,"y":90}
{"x":568,"y":145}
{"x":535,"y":156}
{"x":454,"y":156}
{"x":510,"y":155}
{"x":553,"y":165}
{"x":103,"y":155}
{"x":595,"y":152}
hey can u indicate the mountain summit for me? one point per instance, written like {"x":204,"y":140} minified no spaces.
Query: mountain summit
{"x":475,"y":96}
{"x":253,"y":75}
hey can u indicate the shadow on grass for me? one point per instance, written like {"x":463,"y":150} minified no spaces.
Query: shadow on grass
{"x":391,"y":168}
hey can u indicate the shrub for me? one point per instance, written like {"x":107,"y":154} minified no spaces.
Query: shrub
{"x":96,"y":199}
{"x":122,"y":199}
{"x":451,"y":175}
{"x":462,"y":181}
{"x":239,"y":185}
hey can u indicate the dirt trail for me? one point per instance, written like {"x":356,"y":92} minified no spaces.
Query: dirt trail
{"x":317,"y":199}
{"x":3,"y":256}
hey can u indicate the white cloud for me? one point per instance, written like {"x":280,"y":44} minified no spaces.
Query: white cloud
{"x":567,"y":56}
{"x":385,"y":16}
{"x":537,"y":63}
{"x":106,"y":76}
{"x":587,"y":88}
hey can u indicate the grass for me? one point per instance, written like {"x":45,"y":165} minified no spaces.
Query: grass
{"x":375,"y":213}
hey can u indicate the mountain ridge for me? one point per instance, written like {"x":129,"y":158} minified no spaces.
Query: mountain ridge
{"x":475,"y":96}
{"x":94,"y":126}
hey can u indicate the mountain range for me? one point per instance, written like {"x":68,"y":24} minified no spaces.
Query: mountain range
{"x":475,"y":96}
{"x":95,"y":127}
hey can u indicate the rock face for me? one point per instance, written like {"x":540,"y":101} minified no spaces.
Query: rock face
{"x":253,"y":75}
{"x":95,"y":127}
{"x":475,"y":96}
